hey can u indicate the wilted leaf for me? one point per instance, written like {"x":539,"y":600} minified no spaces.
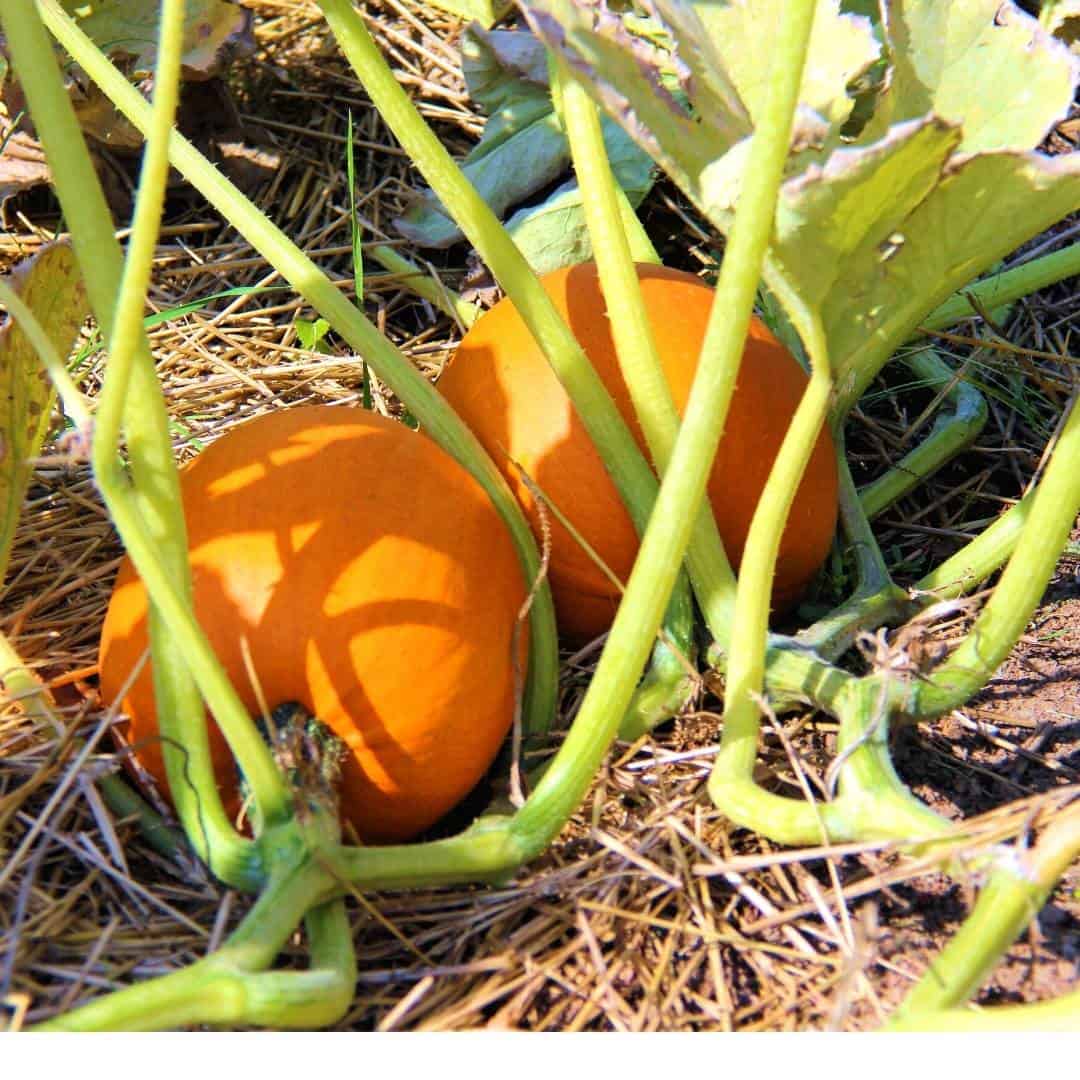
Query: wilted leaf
{"x":51,"y":287}
{"x":523,"y":150}
{"x":216,"y":31}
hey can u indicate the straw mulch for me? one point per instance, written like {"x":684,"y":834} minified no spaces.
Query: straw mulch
{"x":651,"y":911}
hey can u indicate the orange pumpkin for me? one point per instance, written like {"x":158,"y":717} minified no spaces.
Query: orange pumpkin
{"x":502,"y":386}
{"x":375,"y":585}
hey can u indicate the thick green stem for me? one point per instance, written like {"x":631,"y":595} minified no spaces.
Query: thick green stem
{"x":746,"y":665}
{"x":873,"y":803}
{"x":635,"y":344}
{"x":1004,"y":288}
{"x":871,"y":573}
{"x":683,"y":488}
{"x":978,"y":559}
{"x":876,"y":599}
{"x":1002,"y":620}
{"x":954,"y":429}
{"x":438,"y":420}
{"x":1013,"y":896}
{"x":1061,"y":1014}
{"x":630,"y":472}
{"x":663,"y":692}
{"x":154,"y":512}
{"x":880,"y":803}
{"x":232,"y":987}
{"x":252,"y":754}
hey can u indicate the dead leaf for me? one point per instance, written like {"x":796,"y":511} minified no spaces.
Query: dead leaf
{"x":22,"y":163}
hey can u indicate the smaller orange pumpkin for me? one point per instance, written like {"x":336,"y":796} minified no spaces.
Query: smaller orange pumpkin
{"x":503,"y":388}
{"x":374,"y":584}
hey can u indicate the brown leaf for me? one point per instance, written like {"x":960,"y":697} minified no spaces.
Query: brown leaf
{"x":22,"y":163}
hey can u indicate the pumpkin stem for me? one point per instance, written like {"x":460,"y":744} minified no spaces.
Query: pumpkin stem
{"x":309,"y":756}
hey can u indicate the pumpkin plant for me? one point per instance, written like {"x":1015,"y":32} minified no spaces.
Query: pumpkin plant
{"x":850,"y":299}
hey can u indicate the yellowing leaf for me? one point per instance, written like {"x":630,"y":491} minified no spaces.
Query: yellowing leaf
{"x":982,"y":64}
{"x":50,"y":285}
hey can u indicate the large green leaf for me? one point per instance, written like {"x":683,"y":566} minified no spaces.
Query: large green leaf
{"x":857,"y":202}
{"x":523,"y":151}
{"x":50,"y":285}
{"x":943,"y":180}
{"x":216,"y":31}
{"x":720,"y":65}
{"x":982,"y":208}
{"x":983,"y":64}
{"x":744,"y":31}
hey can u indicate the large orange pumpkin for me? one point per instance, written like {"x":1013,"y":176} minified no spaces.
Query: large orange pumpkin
{"x":502,"y":386}
{"x":374,"y":584}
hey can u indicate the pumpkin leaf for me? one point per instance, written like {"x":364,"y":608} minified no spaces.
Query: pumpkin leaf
{"x":983,"y":64}
{"x":743,"y":32}
{"x":981,"y":208}
{"x":720,"y":68}
{"x":50,"y":285}
{"x":857,"y":201}
{"x":524,"y":150}
{"x":943,"y":178}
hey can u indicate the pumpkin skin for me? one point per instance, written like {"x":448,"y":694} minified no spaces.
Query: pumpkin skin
{"x":375,"y":585}
{"x":503,"y":388}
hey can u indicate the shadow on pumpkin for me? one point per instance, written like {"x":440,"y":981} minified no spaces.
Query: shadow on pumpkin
{"x":374,"y":584}
{"x":502,"y":386}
